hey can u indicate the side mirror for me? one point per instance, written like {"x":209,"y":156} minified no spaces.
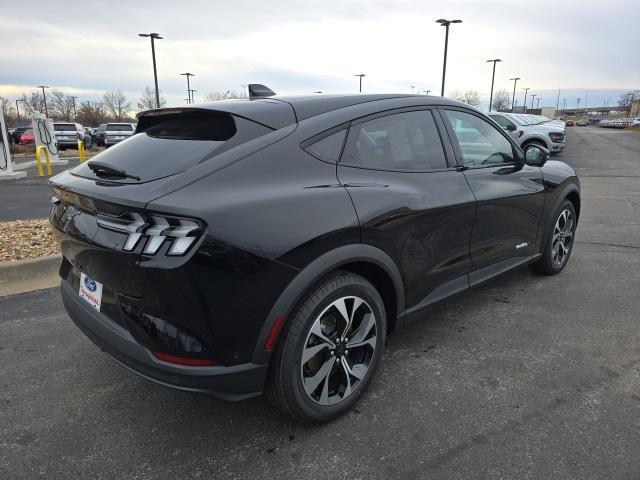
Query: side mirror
{"x":510,"y":127}
{"x":535,"y":155}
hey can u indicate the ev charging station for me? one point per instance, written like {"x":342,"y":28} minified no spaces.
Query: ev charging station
{"x":6,"y":165}
{"x":45,"y":136}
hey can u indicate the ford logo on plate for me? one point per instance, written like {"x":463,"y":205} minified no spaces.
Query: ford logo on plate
{"x":90,"y":284}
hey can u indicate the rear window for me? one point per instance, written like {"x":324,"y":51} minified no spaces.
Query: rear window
{"x":171,"y":142}
{"x":115,"y":127}
{"x":64,"y":127}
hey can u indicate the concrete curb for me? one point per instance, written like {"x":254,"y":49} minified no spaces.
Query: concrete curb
{"x":28,"y":275}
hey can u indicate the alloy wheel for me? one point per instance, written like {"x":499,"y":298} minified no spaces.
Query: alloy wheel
{"x":338,"y":350}
{"x":562,"y":238}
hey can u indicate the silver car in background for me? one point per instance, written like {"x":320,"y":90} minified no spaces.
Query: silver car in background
{"x":117,"y":132}
{"x":532,"y":129}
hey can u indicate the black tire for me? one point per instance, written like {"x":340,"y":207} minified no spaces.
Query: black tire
{"x":285,"y":388}
{"x":548,"y":264}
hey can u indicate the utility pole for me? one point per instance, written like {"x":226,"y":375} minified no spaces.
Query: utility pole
{"x":154,"y":36}
{"x":360,"y":75}
{"x":526,"y":90}
{"x":75,"y":115}
{"x":493,"y":77}
{"x":44,"y":97}
{"x":187,"y":74}
{"x":513,"y":99}
{"x":445,"y":23}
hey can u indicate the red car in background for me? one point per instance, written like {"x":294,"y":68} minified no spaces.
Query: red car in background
{"x":27,"y":138}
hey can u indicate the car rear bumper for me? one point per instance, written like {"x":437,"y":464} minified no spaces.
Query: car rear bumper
{"x":233,"y":383}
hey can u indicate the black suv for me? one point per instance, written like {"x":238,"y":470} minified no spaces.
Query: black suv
{"x":271,"y":244}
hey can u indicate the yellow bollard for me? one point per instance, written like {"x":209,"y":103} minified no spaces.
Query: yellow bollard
{"x":39,"y":150}
{"x":82,"y":156}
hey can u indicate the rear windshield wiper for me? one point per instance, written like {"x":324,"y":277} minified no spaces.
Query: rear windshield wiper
{"x":100,"y":168}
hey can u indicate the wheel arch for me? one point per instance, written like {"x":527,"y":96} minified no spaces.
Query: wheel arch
{"x":368,"y":261}
{"x":535,"y":139}
{"x":569,"y":192}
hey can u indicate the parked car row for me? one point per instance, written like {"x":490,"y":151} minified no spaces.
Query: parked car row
{"x":620,"y":122}
{"x":528,"y":129}
{"x":67,"y":134}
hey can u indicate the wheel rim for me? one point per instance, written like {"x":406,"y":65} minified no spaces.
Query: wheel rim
{"x":338,"y":350}
{"x":562,"y":238}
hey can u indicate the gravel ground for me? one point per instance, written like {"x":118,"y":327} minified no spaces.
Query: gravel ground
{"x":20,"y":239}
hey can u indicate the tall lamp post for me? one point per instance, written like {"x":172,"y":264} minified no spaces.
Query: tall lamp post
{"x":75,"y":115}
{"x":513,"y":99}
{"x":445,"y":23}
{"x":493,"y":76}
{"x":17,"y":109}
{"x":44,"y":97}
{"x":428,"y":92}
{"x":533,"y":97}
{"x":360,"y":75}
{"x":187,"y":74}
{"x":192,"y":95}
{"x":154,"y":36}
{"x":538,"y":102}
{"x":526,"y":90}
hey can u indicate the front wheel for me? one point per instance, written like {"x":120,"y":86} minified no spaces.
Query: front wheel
{"x":329,"y":350}
{"x":559,"y":242}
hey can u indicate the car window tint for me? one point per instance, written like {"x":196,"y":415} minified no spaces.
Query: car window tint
{"x":329,"y":147}
{"x":403,"y":141}
{"x":480,"y":142}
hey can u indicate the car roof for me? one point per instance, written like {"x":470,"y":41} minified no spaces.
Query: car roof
{"x":281,"y":110}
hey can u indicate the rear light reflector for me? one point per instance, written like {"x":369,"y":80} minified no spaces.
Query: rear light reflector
{"x":190,"y":362}
{"x":273,"y":334}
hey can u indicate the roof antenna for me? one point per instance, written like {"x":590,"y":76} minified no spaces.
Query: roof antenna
{"x":257,"y":90}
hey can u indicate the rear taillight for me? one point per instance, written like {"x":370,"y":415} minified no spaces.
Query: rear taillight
{"x":155,"y":230}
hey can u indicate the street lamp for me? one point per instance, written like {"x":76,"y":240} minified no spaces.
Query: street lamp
{"x":445,"y":23}
{"x":17,"y":109}
{"x":154,"y":36}
{"x":513,"y":99}
{"x":360,"y":75}
{"x":46,"y":110}
{"x":538,"y":102}
{"x":243,"y":87}
{"x":526,"y":90}
{"x":493,"y":76}
{"x":564,"y":106}
{"x":533,"y":96}
{"x":187,"y":74}
{"x":428,"y":92}
{"x":578,"y":105}
{"x":75,"y":115}
{"x":192,"y":95}
{"x":412,"y":88}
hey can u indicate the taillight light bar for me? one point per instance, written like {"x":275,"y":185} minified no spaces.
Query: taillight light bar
{"x":155,"y":229}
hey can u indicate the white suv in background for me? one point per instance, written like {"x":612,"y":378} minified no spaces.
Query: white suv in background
{"x":116,"y":132}
{"x":528,"y":129}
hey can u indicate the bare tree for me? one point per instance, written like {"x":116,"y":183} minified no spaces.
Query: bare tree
{"x":116,"y":105}
{"x":33,"y":103}
{"x":61,"y":105}
{"x":471,"y":97}
{"x":92,"y":114}
{"x":501,"y":100}
{"x":148,"y":99}
{"x":10,"y":116}
{"x":213,"y":96}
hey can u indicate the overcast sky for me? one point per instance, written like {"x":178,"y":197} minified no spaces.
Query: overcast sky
{"x":85,"y":48}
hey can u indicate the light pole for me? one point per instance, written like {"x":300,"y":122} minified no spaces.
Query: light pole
{"x":428,"y":92}
{"x":493,"y":76}
{"x":412,"y":88}
{"x":513,"y":99}
{"x":187,"y":74}
{"x":533,"y":97}
{"x":526,"y":90}
{"x":445,"y":23}
{"x":46,"y":110}
{"x":538,"y":103}
{"x":154,"y":36}
{"x":586,"y":97}
{"x":75,"y":115}
{"x":243,"y":88}
{"x":360,"y":75}
{"x":564,"y":106}
{"x":192,"y":95}
{"x":578,"y":105}
{"x":17,"y":109}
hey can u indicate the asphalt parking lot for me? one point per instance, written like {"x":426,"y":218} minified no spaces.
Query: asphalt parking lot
{"x":527,"y":377}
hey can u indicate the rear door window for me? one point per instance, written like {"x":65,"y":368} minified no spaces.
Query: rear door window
{"x":329,"y":147}
{"x":64,"y":127}
{"x":407,"y":141}
{"x":117,"y":127}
